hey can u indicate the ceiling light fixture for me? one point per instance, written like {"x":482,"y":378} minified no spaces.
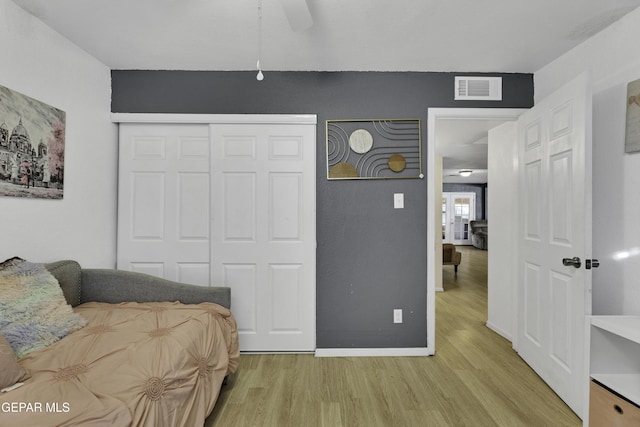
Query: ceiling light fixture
{"x":465,"y":172}
{"x":260,"y":76}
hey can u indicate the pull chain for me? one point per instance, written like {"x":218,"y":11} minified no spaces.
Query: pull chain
{"x":260,"y":76}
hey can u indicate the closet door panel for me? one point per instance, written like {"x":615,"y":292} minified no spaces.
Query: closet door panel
{"x":164,"y":201}
{"x":263,"y":231}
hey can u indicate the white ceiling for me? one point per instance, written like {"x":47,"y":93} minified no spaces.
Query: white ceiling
{"x":338,"y":35}
{"x":345,"y":35}
{"x":462,"y":144}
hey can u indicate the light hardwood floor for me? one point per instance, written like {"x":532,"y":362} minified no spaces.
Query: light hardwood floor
{"x":475,"y":378}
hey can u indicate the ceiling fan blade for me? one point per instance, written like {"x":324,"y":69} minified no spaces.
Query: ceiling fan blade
{"x":298,"y":14}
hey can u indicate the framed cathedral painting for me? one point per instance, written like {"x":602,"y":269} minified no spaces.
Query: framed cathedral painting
{"x":32,"y":139}
{"x":632,"y":133}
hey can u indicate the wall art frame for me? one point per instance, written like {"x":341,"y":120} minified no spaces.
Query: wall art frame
{"x":374,"y":149}
{"x":632,"y":131}
{"x":32,"y":145}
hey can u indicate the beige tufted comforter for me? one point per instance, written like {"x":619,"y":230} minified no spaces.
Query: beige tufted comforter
{"x":151,"y":364}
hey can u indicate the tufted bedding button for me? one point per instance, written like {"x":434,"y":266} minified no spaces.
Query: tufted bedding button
{"x":70,"y":372}
{"x":154,"y":388}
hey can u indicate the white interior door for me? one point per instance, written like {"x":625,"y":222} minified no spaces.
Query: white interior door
{"x":554,"y":141}
{"x":263,"y":231}
{"x":163,"y":201}
{"x":458,"y":209}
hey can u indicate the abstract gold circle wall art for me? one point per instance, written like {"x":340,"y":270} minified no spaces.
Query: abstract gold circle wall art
{"x":360,"y":141}
{"x":374,"y":149}
{"x":343,"y":170}
{"x":397,"y":163}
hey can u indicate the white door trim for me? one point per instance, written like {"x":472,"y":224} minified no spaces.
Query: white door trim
{"x":433,"y":114}
{"x":214,"y":118}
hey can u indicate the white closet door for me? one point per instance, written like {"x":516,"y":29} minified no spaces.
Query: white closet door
{"x":263,"y":231}
{"x":164,"y":200}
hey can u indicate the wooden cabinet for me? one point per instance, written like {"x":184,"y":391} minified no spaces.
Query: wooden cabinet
{"x":614,"y":371}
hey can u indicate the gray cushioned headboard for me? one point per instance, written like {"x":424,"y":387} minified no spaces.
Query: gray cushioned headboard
{"x":69,"y":275}
{"x":115,"y":286}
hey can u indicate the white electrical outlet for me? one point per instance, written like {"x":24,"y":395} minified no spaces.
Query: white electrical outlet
{"x":397,"y":315}
{"x":398,"y":200}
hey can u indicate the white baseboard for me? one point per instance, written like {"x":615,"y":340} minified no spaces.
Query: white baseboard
{"x":441,"y":289}
{"x":372,"y":352}
{"x":499,"y":331}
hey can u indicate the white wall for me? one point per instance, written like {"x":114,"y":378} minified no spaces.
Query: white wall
{"x":38,"y":62}
{"x":503,"y":217}
{"x":611,"y":59}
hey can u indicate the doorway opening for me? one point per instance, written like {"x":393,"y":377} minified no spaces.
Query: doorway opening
{"x":454,"y":118}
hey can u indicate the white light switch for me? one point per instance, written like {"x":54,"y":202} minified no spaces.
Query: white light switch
{"x":398,"y":200}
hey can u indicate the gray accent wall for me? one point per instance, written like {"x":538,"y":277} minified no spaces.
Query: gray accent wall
{"x":371,"y":258}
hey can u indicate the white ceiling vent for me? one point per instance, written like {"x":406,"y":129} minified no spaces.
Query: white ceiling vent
{"x":478,"y":88}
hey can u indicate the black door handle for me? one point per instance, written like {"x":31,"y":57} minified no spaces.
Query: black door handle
{"x":575,"y":261}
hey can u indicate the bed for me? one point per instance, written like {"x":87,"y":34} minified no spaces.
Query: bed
{"x":128,"y":363}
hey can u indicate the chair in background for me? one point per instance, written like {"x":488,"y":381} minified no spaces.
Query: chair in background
{"x":450,"y":256}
